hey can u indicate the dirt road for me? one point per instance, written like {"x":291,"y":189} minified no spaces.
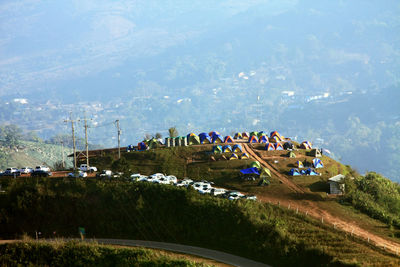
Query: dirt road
{"x":311,"y":208}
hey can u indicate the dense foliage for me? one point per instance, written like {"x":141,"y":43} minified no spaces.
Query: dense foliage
{"x":375,"y":195}
{"x":80,"y":254}
{"x":127,"y":210}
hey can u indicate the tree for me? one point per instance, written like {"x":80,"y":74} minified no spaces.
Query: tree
{"x":158,"y":136}
{"x":10,"y":135}
{"x":173,"y":132}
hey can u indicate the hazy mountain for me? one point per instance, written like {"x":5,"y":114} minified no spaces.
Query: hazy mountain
{"x":327,"y":70}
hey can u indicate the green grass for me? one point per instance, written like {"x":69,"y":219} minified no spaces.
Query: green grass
{"x":259,"y":231}
{"x":73,"y":253}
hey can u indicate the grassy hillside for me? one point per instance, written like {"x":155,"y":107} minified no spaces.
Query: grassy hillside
{"x":33,"y":153}
{"x":72,"y":253}
{"x":259,"y":231}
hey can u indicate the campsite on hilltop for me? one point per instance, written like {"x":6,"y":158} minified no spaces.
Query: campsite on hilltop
{"x":299,"y":211}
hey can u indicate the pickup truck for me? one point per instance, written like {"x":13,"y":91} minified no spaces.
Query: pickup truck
{"x":86,"y":168}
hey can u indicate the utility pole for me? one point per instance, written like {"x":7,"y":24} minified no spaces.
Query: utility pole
{"x":62,"y":152}
{"x":119,"y":139}
{"x":73,"y":137}
{"x":87,"y":145}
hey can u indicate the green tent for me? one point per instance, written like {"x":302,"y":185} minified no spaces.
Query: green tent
{"x":153,"y":143}
{"x":265,"y":173}
{"x":254,"y":133}
{"x":291,"y":154}
{"x":217,"y":149}
{"x":194,"y":140}
{"x":255,"y":164}
{"x":261,"y":134}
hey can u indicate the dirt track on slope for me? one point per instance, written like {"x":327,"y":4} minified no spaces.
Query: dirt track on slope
{"x":311,"y":208}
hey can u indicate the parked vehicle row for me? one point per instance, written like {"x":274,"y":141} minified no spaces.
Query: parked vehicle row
{"x":203,"y":187}
{"x":37,"y":171}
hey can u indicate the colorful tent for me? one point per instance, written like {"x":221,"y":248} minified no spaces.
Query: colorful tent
{"x":277,"y":135}
{"x":253,"y":139}
{"x":194,"y":140}
{"x":233,"y":156}
{"x":255,"y":164}
{"x":228,"y":139}
{"x":237,"y":148}
{"x":306,"y":145}
{"x":263,"y":139}
{"x":294,"y":172}
{"x":253,"y":134}
{"x":310,"y":171}
{"x":317,"y":163}
{"x":142,"y":146}
{"x":269,"y":147}
{"x":245,"y":135}
{"x":250,"y":171}
{"x":217,"y":138}
{"x":153,"y":143}
{"x":226,"y":148}
{"x":261,"y":134}
{"x":278,"y":146}
{"x":299,"y":164}
{"x":265,"y":173}
{"x":217,"y":149}
{"x":237,"y":136}
{"x":191,"y":134}
{"x":244,"y":156}
{"x":205,"y":138}
{"x":211,"y":134}
{"x":291,"y":154}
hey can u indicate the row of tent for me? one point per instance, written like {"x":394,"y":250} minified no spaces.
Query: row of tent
{"x":227,"y":148}
{"x":316,"y":163}
{"x":215,"y":137}
{"x":297,"y":172}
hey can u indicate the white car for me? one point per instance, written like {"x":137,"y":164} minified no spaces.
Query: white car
{"x":86,"y":168}
{"x":11,"y":170}
{"x":162,"y":180}
{"x":205,"y":189}
{"x":136,"y":177}
{"x":42,"y":168}
{"x":235,"y":195}
{"x":78,"y":174}
{"x":250,"y":197}
{"x":201,"y":185}
{"x":172,"y":179}
{"x":155,"y":177}
{"x":185,"y":182}
{"x":26,"y":170}
{"x":218,"y":191}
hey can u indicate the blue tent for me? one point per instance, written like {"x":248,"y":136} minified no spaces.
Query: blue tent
{"x":294,"y":172}
{"x":226,"y":148}
{"x":253,"y":170}
{"x":130,"y":148}
{"x":317,"y":163}
{"x":205,"y":138}
{"x":217,"y":149}
{"x":237,"y":148}
{"x":310,"y":171}
{"x":217,"y":138}
{"x":142,"y":146}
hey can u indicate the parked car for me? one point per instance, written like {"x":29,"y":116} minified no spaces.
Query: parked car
{"x":86,"y":168}
{"x":41,"y":173}
{"x":77,"y":174}
{"x":206,"y":189}
{"x":155,"y":177}
{"x":26,"y":170}
{"x":200,"y":185}
{"x":42,"y":168}
{"x":11,"y":171}
{"x":104,"y":173}
{"x":218,"y":191}
{"x":185,"y":182}
{"x":250,"y":197}
{"x":232,"y":195}
{"x":162,"y":180}
{"x":136,"y":177}
{"x":172,"y":179}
